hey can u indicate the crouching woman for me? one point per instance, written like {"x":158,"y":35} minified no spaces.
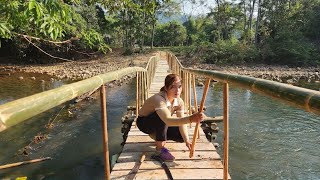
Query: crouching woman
{"x":155,"y":117}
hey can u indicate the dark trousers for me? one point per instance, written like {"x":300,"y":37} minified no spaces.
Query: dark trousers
{"x":153,"y":124}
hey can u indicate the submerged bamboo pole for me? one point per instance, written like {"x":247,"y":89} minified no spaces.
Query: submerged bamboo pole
{"x":226,"y":130}
{"x":105,"y":131}
{"x":205,"y":91}
{"x":24,"y":162}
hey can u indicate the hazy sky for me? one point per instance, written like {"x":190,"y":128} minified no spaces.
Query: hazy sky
{"x":201,"y":7}
{"x":197,"y":9}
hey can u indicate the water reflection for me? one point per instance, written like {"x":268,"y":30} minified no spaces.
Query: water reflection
{"x":268,"y":139}
{"x":75,"y":142}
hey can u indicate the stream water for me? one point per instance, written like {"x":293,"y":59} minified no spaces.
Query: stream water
{"x":268,"y":139}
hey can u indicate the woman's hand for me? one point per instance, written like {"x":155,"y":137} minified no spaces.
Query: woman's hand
{"x":188,"y":144}
{"x":197,"y":117}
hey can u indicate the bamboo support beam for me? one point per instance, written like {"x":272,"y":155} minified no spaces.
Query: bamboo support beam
{"x":105,"y":131}
{"x":205,"y":91}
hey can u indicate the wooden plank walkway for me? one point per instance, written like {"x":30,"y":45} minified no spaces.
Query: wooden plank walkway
{"x":206,"y":163}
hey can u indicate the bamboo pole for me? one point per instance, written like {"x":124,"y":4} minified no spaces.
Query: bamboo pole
{"x":24,"y":163}
{"x":303,"y":98}
{"x":19,"y":110}
{"x":189,"y":94}
{"x":205,"y":91}
{"x":137,"y":97}
{"x":105,"y":131}
{"x":140,"y":89}
{"x":226,"y":130}
{"x":143,"y":92}
{"x":195,"y":97}
{"x":145,"y":86}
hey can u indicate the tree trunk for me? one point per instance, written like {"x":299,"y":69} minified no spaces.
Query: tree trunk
{"x":153,"y":30}
{"x":218,"y":12}
{"x":245,"y":15}
{"x":251,"y":14}
{"x":256,"y":41}
{"x":126,"y":29}
{"x":143,"y":26}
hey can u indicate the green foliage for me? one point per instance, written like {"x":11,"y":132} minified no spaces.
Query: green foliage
{"x":4,"y":31}
{"x":284,"y":33}
{"x":170,"y":34}
{"x":230,"y":52}
{"x":289,"y":48}
{"x":94,"y":40}
{"x":51,"y":20}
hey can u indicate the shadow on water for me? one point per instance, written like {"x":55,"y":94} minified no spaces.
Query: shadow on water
{"x":75,"y":142}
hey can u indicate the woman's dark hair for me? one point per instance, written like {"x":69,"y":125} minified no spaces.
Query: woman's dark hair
{"x":170,"y":79}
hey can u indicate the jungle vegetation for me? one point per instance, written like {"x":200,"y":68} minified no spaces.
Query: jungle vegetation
{"x":233,"y":31}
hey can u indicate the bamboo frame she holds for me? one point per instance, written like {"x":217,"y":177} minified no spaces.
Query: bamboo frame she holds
{"x":205,"y":91}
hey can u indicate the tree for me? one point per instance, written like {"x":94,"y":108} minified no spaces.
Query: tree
{"x":170,"y":34}
{"x":50,"y":24}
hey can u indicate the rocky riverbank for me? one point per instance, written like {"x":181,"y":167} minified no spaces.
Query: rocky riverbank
{"x":79,"y":70}
{"x":283,"y":74}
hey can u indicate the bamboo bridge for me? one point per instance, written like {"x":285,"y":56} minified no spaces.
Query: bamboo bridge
{"x":206,"y":163}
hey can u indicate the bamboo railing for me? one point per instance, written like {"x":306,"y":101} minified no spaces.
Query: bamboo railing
{"x":22,"y":109}
{"x":306,"y":99}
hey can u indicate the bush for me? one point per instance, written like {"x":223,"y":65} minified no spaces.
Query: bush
{"x":289,"y":49}
{"x":230,"y":52}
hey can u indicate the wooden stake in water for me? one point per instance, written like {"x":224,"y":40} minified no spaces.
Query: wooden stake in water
{"x":105,"y":131}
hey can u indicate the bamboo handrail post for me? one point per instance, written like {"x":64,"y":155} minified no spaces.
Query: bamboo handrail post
{"x":145,"y":86}
{"x":226,"y":130}
{"x":142,"y":88}
{"x":186,"y":91}
{"x":139,"y":90}
{"x":105,"y":130}
{"x":137,"y":96}
{"x":189,"y":90}
{"x":205,"y":91}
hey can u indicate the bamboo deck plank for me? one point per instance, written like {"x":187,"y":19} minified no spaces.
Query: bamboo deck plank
{"x":205,"y":164}
{"x":177,"y":164}
{"x":148,"y":139}
{"x":176,"y":173}
{"x":179,"y":155}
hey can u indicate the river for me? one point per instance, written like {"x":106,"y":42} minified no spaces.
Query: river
{"x":268,"y":139}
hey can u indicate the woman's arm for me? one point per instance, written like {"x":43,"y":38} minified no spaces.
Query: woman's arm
{"x":183,"y":128}
{"x":165,"y":116}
